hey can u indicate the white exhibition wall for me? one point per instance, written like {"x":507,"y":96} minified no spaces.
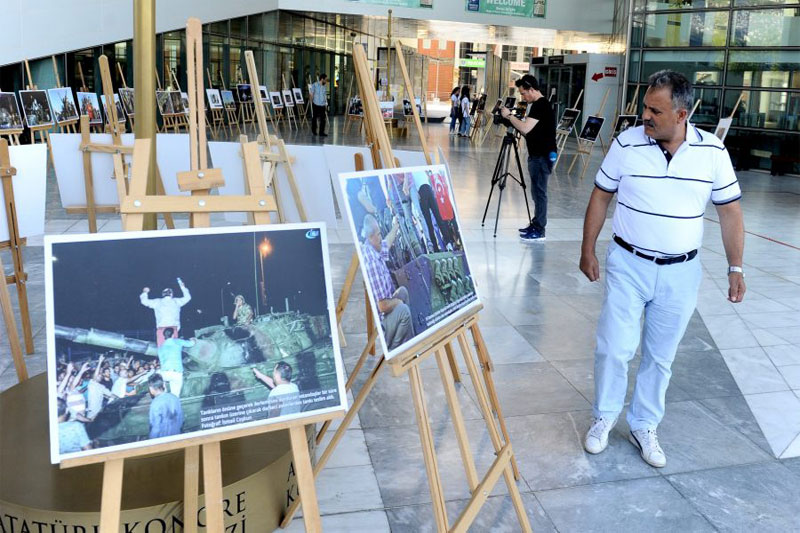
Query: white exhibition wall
{"x":29,"y":183}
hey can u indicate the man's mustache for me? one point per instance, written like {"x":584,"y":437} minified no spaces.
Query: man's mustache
{"x":649,"y":123}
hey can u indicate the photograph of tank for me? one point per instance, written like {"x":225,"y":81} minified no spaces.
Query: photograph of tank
{"x":592,"y":128}
{"x":185,"y":333}
{"x":63,"y":104}
{"x":227,"y":99}
{"x":410,"y":250}
{"x":128,"y":97}
{"x":36,"y":108}
{"x":10,"y":117}
{"x":90,"y":106}
{"x":567,"y":121}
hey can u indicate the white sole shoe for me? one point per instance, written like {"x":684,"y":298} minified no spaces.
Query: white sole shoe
{"x":655,"y":463}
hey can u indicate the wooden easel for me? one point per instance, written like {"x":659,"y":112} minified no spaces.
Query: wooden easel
{"x":247,"y":112}
{"x":180,"y":119}
{"x":217,"y":119}
{"x":268,"y":141}
{"x":289,"y":106}
{"x":68,"y":126}
{"x":563,"y":135}
{"x":348,"y":118}
{"x":125,"y":85}
{"x":633,"y":105}
{"x":301,"y":108}
{"x":401,"y":61}
{"x":438,"y":345}
{"x":694,"y":108}
{"x":14,"y":243}
{"x":585,"y":147}
{"x":43,"y":131}
{"x":11,"y":328}
{"x":259,"y":203}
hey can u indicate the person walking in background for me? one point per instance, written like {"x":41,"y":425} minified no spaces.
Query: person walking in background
{"x":455,"y":109}
{"x":465,"y":103}
{"x":319,"y":105}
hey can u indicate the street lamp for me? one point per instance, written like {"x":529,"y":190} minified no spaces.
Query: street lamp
{"x":264,"y":249}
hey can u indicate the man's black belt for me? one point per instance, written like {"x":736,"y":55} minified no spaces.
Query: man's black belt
{"x":688,"y":256}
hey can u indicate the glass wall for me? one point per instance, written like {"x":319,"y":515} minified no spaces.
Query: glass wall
{"x":727,"y":48}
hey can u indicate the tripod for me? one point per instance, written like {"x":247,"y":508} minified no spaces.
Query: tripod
{"x":501,"y":174}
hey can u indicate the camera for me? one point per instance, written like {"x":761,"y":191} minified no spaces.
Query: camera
{"x":497,"y":118}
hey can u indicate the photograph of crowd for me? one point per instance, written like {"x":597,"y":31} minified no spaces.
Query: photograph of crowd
{"x":90,"y":106}
{"x":10,"y":117}
{"x":356,"y":108}
{"x":63,"y":104}
{"x":36,"y":108}
{"x":221,"y":329}
{"x":568,"y":119}
{"x":127,"y":96}
{"x":164,"y":103}
{"x":227,"y":99}
{"x":592,"y":128}
{"x":410,"y":249}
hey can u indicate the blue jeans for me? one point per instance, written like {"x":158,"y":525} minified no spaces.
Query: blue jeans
{"x":465,"y":126}
{"x":539,"y":168}
{"x":667,"y":294}
{"x":453,"y":119}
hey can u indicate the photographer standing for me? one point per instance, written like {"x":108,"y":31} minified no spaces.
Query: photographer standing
{"x":539,"y":129}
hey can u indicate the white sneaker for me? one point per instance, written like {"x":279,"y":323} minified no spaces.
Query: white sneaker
{"x":647,"y":442}
{"x":597,"y":437}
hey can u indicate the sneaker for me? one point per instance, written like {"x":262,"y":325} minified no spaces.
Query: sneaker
{"x":597,"y":437}
{"x":527,"y":228}
{"x":533,"y":236}
{"x":323,"y":134}
{"x":647,"y":442}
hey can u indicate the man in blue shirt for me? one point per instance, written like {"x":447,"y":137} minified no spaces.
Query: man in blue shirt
{"x":319,"y":104}
{"x":166,"y":412}
{"x":170,"y":357}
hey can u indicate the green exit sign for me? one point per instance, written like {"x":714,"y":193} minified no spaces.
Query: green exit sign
{"x":470,"y":62}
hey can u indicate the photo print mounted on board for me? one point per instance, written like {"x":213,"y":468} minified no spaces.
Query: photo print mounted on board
{"x":568,"y":119}
{"x":10,"y":116}
{"x":214,"y":98}
{"x":592,"y":128}
{"x":36,"y":108}
{"x":297,"y":93}
{"x":227,"y":99}
{"x":164,"y":103}
{"x":126,"y":94}
{"x":244,"y":92}
{"x":63,"y":104}
{"x":89,"y":105}
{"x":164,"y":350}
{"x":275,"y":99}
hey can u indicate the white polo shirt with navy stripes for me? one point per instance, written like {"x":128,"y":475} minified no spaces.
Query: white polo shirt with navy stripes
{"x":661,"y":202}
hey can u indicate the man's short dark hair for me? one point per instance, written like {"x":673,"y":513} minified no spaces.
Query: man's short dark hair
{"x":323,"y":76}
{"x":678,"y":84}
{"x":156,"y":381}
{"x":527,"y":82}
{"x":168,"y":333}
{"x":284,"y":369}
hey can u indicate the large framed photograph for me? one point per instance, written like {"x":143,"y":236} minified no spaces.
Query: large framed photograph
{"x":568,"y":119}
{"x":227,"y":99}
{"x":164,"y":103}
{"x":276,"y":100}
{"x":411,"y":251}
{"x":63,"y":104}
{"x":90,"y":106}
{"x":10,"y":117}
{"x":214,"y":98}
{"x":186,"y":333}
{"x":127,"y":96}
{"x":244,"y":92}
{"x":623,"y":123}
{"x":36,"y":108}
{"x":287,"y":98}
{"x":592,"y":128}
{"x":297,"y":93}
{"x":117,"y":106}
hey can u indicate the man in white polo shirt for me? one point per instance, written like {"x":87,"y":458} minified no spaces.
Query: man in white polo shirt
{"x":664,"y":173}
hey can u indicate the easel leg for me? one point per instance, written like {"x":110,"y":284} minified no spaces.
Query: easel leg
{"x":458,"y":419}
{"x":369,"y":318}
{"x":428,"y":449}
{"x":212,"y":482}
{"x":111,"y":502}
{"x":191,"y":476}
{"x":483,"y":403}
{"x":451,"y":358}
{"x":168,"y":220}
{"x":305,"y":479}
{"x":11,"y":328}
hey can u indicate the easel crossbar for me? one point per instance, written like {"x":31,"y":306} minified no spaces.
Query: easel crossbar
{"x":206,"y":204}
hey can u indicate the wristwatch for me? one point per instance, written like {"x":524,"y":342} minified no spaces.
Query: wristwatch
{"x":737,"y":269}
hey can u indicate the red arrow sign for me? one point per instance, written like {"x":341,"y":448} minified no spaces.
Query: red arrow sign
{"x":597,"y":76}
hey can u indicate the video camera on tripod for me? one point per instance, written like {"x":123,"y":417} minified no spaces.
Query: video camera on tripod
{"x":510,"y":102}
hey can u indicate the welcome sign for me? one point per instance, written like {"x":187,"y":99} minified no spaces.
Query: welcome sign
{"x":513,"y":8}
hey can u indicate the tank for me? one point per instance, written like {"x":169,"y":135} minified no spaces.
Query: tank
{"x":218,"y":369}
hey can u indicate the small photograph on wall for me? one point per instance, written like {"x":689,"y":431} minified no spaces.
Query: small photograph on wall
{"x":298,"y":95}
{"x":623,"y":123}
{"x":287,"y":97}
{"x":36,"y":108}
{"x":191,"y":344}
{"x":244,"y":92}
{"x":592,"y":128}
{"x":63,"y":104}
{"x":275,"y":99}
{"x":127,"y":96}
{"x":164,"y":103}
{"x":227,"y":99}
{"x":89,"y":105}
{"x":117,"y":106}
{"x":568,"y":119}
{"x":214,"y":98}
{"x":10,"y":116}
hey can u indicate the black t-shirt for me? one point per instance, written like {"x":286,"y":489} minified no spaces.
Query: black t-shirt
{"x":541,"y":139}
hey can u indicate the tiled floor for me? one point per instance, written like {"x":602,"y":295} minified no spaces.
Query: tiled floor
{"x":733,"y":414}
